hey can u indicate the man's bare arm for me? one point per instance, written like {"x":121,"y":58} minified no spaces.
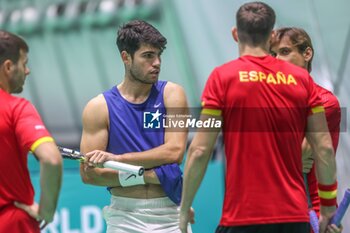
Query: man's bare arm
{"x":50,"y":183}
{"x":321,"y":143}
{"x":198,"y":157}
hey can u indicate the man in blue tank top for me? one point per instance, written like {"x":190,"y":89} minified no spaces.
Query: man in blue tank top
{"x":124,"y":124}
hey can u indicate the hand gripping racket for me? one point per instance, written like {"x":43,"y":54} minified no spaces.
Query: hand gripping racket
{"x":343,"y":206}
{"x":339,"y":213}
{"x":76,"y":155}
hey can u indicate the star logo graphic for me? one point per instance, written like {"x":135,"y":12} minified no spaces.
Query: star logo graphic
{"x":152,"y":120}
{"x":156,"y":115}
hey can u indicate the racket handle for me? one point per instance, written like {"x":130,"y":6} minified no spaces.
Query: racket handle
{"x":314,"y":221}
{"x":124,"y":167}
{"x":70,"y":151}
{"x":343,"y":206}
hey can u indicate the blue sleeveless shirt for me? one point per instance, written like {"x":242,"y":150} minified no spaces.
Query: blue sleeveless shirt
{"x":129,"y":129}
{"x":138,"y":127}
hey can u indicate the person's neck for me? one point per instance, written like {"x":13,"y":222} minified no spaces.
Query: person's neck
{"x":4,"y":87}
{"x":134,"y":91}
{"x":258,"y":51}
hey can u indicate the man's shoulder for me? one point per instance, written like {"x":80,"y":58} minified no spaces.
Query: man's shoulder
{"x":328,"y":98}
{"x":16,"y":106}
{"x":15,"y":101}
{"x":229,"y":64}
{"x":173,"y":95}
{"x":96,"y":102}
{"x":95,"y":111}
{"x":171,"y":86}
{"x":323,"y":90}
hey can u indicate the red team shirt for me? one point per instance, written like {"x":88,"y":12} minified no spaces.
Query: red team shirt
{"x":265,"y":103}
{"x":333,"y":115}
{"x":21,"y":130}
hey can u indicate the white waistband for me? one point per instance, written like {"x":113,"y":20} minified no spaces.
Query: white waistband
{"x":135,"y":203}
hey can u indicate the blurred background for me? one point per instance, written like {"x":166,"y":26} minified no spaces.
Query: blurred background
{"x":73,"y":57}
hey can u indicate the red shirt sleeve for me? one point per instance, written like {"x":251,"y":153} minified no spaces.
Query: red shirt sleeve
{"x":212,"y":96}
{"x":333,"y":114}
{"x":314,"y":101}
{"x":28,"y":125}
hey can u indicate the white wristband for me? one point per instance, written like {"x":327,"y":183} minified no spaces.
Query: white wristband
{"x":127,"y":179}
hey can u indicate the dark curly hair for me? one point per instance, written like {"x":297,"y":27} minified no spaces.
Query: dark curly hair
{"x":134,"y":33}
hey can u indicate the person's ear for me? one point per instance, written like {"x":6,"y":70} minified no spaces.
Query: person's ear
{"x":308,"y":54}
{"x":234,"y":34}
{"x":272,"y":36}
{"x":7,"y":67}
{"x":126,"y":58}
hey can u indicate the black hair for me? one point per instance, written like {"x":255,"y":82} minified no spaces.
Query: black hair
{"x":137,"y":32}
{"x":10,"y":46}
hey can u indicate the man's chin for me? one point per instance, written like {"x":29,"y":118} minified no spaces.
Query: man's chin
{"x":151,"y":81}
{"x":17,"y":91}
{"x":154,"y":80}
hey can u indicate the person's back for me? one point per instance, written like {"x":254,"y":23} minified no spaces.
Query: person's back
{"x":264,"y":120}
{"x":266,"y":106}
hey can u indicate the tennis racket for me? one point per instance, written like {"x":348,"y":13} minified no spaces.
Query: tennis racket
{"x":76,"y":155}
{"x":343,"y":206}
{"x":313,"y":216}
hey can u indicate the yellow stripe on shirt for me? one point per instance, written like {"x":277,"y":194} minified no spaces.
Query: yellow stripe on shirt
{"x":40,"y":141}
{"x":327,"y":194}
{"x":212,"y":112}
{"x":317,"y":109}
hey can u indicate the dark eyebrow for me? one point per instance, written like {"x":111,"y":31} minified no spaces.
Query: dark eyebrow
{"x":287,"y":48}
{"x":148,"y":51}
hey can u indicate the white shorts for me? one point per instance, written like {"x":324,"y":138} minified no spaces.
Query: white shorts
{"x":130,"y":215}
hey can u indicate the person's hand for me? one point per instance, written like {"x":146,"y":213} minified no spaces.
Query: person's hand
{"x":308,"y":162}
{"x":326,"y":214}
{"x":191,"y":216}
{"x":332,"y":228}
{"x":307,"y":158}
{"x":323,"y":223}
{"x":33,"y":211}
{"x":96,"y":158}
{"x":185,"y":218}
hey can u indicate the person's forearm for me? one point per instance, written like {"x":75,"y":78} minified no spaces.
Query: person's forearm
{"x":326,"y":167}
{"x":164,"y":154}
{"x":50,"y":184}
{"x":318,"y":136}
{"x":109,"y":178}
{"x":326,"y":175}
{"x":99,"y":176}
{"x":195,"y":168}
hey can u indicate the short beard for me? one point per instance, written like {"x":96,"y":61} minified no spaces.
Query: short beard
{"x":17,"y":91}
{"x":132,"y":74}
